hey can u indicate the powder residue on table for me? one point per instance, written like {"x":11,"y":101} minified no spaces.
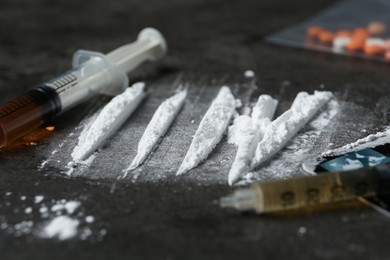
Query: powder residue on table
{"x":49,"y":219}
{"x":158,"y":125}
{"x":211,"y":129}
{"x":61,"y":227}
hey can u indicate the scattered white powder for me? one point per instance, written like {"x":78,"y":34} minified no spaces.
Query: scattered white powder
{"x":57,"y":207}
{"x":210,"y":130}
{"x":112,"y":116}
{"x":301,"y":231}
{"x":60,"y":222}
{"x":23,"y":228}
{"x":43,"y":164}
{"x":285,"y":127}
{"x":71,"y":206}
{"x":43,"y":209}
{"x":61,"y":227}
{"x":158,"y":125}
{"x":249,"y":73}
{"x":247,"y":132}
{"x":71,"y":166}
{"x":89,"y":219}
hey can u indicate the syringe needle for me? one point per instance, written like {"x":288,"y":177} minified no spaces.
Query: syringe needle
{"x":242,"y":199}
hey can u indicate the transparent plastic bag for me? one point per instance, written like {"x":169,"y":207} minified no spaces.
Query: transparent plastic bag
{"x":347,"y":15}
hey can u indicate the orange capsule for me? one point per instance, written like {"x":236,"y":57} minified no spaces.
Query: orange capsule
{"x":376,"y":28}
{"x":326,"y":37}
{"x":50,"y":128}
{"x":387,"y":44}
{"x":314,"y":31}
{"x":361,"y":33}
{"x":374,"y":50}
{"x":387,"y":55}
{"x":355,"y":45}
{"x":344,"y":33}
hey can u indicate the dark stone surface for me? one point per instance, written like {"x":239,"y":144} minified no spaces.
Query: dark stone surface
{"x":177,"y":219}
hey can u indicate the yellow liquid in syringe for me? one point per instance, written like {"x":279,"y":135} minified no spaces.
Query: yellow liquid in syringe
{"x":310,"y":191}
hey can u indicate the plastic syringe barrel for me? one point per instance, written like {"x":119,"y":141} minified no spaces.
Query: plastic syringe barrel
{"x":93,"y":73}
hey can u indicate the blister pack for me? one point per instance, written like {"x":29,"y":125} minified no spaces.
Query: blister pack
{"x":358,"y":28}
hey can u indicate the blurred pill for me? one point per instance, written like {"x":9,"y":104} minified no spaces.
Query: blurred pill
{"x":326,"y":37}
{"x":360,"y":33}
{"x":340,"y":43}
{"x":376,"y":28}
{"x":356,"y":44}
{"x":387,"y":44}
{"x":314,"y":31}
{"x":375,"y":41}
{"x":374,"y":50}
{"x":359,"y":37}
{"x":387,"y":55}
{"x":343,"y":33}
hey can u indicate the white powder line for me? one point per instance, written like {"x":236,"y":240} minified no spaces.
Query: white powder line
{"x":158,"y":125}
{"x":288,"y":124}
{"x":210,"y":130}
{"x":288,"y":162}
{"x":369,"y":141}
{"x":86,"y":122}
{"x":251,"y":132}
{"x":109,"y":120}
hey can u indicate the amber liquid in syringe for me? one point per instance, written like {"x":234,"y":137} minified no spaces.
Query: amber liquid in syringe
{"x":93,"y":73}
{"x":20,"y":115}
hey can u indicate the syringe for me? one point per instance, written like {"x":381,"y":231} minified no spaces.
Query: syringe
{"x":93,"y":73}
{"x":310,"y":191}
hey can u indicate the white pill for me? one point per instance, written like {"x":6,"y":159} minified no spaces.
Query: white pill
{"x":375,"y":41}
{"x":340,"y":42}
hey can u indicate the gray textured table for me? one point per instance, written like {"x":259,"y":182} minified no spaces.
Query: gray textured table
{"x":151,"y":214}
